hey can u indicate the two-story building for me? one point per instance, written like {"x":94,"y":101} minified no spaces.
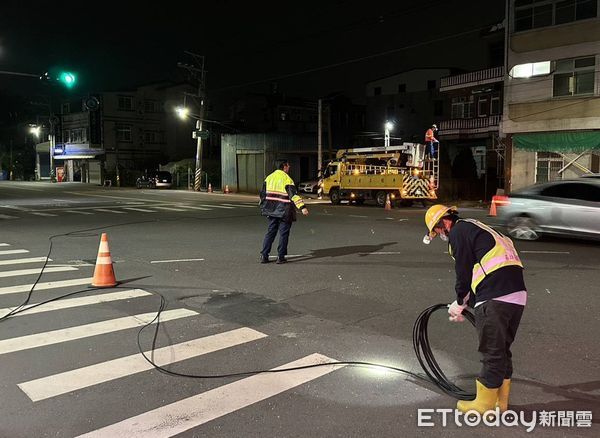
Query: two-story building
{"x":134,"y":129}
{"x":551,"y":120}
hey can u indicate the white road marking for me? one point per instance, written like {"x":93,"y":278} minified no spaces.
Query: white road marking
{"x":44,"y":214}
{"x":45,"y":286}
{"x":13,"y":251}
{"x":77,"y":212}
{"x":51,"y":386}
{"x":185,"y":414}
{"x":81,"y":301}
{"x":36,"y":271}
{"x":356,"y":215}
{"x":545,"y":252}
{"x":106,"y":210}
{"x":20,"y":261}
{"x":143,"y":210}
{"x":4,"y":244}
{"x":174,"y":261}
{"x":240,"y":205}
{"x":193,"y":207}
{"x":216,"y":206}
{"x":5,"y":216}
{"x":84,"y":331}
{"x":168,"y":208}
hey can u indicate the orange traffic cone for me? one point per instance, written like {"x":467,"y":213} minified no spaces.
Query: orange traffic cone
{"x":388,"y":203}
{"x":104,"y":275}
{"x":493,"y":208}
{"x":209,"y":188}
{"x":226,"y":189}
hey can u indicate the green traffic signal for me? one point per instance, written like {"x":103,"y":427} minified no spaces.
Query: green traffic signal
{"x":67,"y":78}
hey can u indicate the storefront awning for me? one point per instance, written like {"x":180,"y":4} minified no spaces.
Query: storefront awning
{"x":558,"y":141}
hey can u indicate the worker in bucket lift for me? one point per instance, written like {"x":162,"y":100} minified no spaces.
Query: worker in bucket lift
{"x":489,"y":276}
{"x":431,"y":143}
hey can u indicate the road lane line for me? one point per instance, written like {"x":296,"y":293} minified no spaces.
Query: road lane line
{"x":4,"y":244}
{"x":85,"y":331}
{"x":106,"y":210}
{"x":47,"y":270}
{"x":143,"y":210}
{"x":81,"y":301}
{"x":216,"y":206}
{"x":174,"y":261}
{"x":78,"y":212}
{"x":45,"y":286}
{"x":44,"y":214}
{"x":13,"y":251}
{"x":194,"y":207}
{"x":167,"y":208}
{"x":62,"y":383}
{"x":20,"y":261}
{"x":240,"y":205}
{"x":5,"y":216}
{"x":191,"y":412}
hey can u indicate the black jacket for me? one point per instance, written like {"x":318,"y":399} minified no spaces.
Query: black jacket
{"x":279,"y":197}
{"x":469,"y":243}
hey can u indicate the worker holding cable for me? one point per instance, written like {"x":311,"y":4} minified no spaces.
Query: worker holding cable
{"x":489,"y":276}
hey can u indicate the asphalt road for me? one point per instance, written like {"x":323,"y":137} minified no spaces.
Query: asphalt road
{"x":357,"y":279}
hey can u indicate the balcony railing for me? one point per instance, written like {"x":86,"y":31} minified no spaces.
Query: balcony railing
{"x":470,"y":126}
{"x":487,"y":76}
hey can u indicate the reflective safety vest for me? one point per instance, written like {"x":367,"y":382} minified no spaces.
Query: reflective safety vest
{"x":279,"y":193}
{"x":502,"y":254}
{"x":429,"y":135}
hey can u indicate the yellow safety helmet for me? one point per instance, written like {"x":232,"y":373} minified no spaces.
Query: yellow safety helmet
{"x":435,"y":213}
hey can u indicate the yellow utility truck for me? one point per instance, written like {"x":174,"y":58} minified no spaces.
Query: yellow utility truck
{"x":401,"y":172}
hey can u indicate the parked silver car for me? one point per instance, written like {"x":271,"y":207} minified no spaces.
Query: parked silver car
{"x":308,"y":186}
{"x":566,"y":208}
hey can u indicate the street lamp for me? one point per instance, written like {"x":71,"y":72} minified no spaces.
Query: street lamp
{"x":389,"y":126}
{"x":35,"y":130}
{"x":183,"y":114}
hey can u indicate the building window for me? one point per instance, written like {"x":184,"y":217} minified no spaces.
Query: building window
{"x":125,"y":103}
{"x":152,"y":137}
{"x":377,"y":91}
{"x":547,"y":165}
{"x":495,"y":105}
{"x":150,"y":106}
{"x":482,"y":107}
{"x":431,"y":84}
{"x":401,"y":88}
{"x":573,"y":77}
{"x":438,"y":107}
{"x":124,"y":133}
{"x":463,"y":107}
{"x":533,"y":14}
{"x":66,"y":108}
{"x":77,"y":135}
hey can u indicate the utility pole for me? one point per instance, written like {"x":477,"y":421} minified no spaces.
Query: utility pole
{"x":320,"y":147}
{"x":198,"y":73}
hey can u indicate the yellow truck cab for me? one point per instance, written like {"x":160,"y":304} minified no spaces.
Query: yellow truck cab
{"x":402,"y":172}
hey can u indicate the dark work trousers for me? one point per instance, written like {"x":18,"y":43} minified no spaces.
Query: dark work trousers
{"x":284,"y":227}
{"x":497,"y":323}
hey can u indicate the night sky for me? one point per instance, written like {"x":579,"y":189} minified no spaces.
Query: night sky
{"x":116,"y":44}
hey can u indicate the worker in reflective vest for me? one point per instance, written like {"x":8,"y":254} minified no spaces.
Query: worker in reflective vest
{"x":489,"y":277}
{"x":431,"y":143}
{"x":278,"y":202}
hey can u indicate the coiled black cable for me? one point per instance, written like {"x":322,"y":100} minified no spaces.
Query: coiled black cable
{"x":425,"y":354}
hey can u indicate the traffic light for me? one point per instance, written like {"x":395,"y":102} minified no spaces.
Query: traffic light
{"x":65,"y":78}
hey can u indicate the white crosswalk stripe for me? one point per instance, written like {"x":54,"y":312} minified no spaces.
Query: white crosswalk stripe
{"x":45,"y":286}
{"x":106,"y":210}
{"x":47,"y":270}
{"x":22,"y":261}
{"x":78,"y":212}
{"x":43,"y":214}
{"x":78,"y":302}
{"x":216,"y":206}
{"x":4,"y":244}
{"x":84,"y":331}
{"x":13,"y":251}
{"x":185,"y":414}
{"x":80,"y":378}
{"x":240,"y":205}
{"x":193,"y":207}
{"x":6,"y":216}
{"x":168,"y":208}
{"x":143,"y":210}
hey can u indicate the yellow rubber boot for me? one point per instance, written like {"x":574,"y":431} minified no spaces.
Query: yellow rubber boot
{"x":485,"y":400}
{"x":503,"y":393}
